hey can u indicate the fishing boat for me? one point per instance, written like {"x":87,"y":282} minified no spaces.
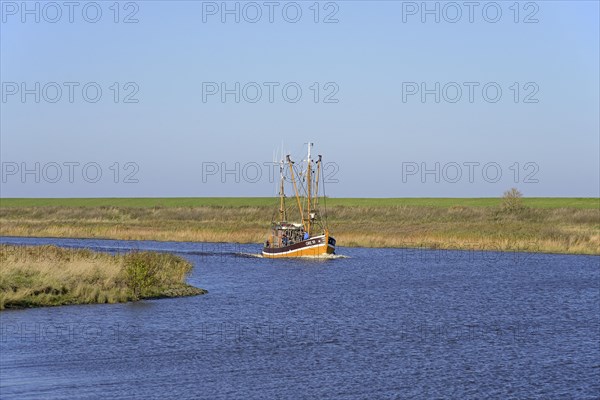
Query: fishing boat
{"x":306,"y":235}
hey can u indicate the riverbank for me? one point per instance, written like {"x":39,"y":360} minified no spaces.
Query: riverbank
{"x":39,"y":276}
{"x":551,"y":225}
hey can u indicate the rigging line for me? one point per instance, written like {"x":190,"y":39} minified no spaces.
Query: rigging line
{"x":275,"y":212}
{"x":299,"y":182}
{"x":276,"y":202}
{"x":302,"y":189}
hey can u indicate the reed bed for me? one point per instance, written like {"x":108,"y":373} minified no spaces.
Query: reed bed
{"x":568,"y":230}
{"x":34,"y":276}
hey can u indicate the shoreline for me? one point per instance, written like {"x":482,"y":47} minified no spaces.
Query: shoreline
{"x":419,"y":246}
{"x":185,"y":291}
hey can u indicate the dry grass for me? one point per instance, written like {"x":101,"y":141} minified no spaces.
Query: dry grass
{"x":34,"y":276}
{"x":556,"y":230}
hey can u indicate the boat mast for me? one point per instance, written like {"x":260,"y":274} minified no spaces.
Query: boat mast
{"x":282,"y":216}
{"x":308,"y":187}
{"x":317,"y":182}
{"x":296,"y":190}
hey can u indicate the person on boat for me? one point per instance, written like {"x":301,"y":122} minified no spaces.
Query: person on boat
{"x":284,"y":240}
{"x":267,"y":243}
{"x":306,"y":235}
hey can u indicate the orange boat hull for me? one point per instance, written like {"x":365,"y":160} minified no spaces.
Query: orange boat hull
{"x":313,"y":247}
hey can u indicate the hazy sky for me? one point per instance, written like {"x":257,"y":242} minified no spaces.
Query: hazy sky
{"x":194,"y":103}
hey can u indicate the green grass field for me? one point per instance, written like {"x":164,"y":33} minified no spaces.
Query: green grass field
{"x":536,"y":202}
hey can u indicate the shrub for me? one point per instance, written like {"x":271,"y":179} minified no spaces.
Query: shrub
{"x":141,"y":272}
{"x":512,"y":201}
{"x":147,"y":273}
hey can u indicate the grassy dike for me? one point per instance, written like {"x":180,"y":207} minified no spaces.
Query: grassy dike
{"x":553,"y":225}
{"x":37,"y":276}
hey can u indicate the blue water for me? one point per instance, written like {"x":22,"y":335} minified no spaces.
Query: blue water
{"x":382,"y":323}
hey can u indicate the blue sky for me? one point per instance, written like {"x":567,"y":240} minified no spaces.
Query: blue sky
{"x":368,"y":116}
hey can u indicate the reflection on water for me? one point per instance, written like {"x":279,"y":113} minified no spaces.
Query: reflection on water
{"x":373,"y":323}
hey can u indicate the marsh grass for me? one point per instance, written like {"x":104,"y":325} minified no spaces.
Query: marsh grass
{"x":33,"y":276}
{"x":353,"y":222}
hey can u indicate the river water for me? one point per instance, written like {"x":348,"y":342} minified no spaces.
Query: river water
{"x":376,"y":323}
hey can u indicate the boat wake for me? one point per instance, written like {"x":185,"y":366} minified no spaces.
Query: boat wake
{"x":316,"y":257}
